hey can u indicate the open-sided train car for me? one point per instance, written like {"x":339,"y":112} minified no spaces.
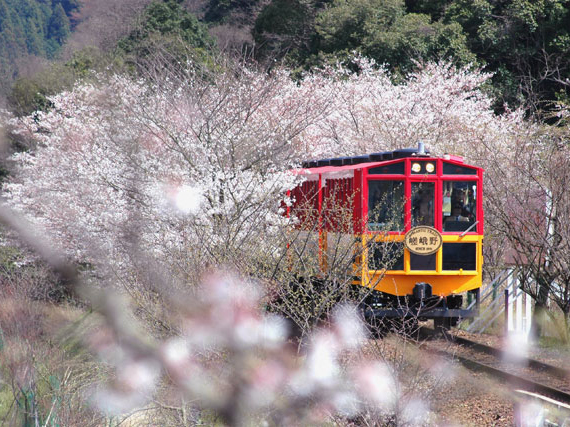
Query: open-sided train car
{"x":418,"y":223}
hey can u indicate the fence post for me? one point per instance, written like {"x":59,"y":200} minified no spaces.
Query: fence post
{"x":506,"y":311}
{"x":478,"y":299}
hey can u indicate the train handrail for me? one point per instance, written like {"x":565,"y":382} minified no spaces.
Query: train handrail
{"x":497,"y":314}
{"x":493,"y":286}
{"x":505,"y":275}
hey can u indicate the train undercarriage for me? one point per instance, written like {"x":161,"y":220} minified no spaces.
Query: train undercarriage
{"x":421,"y":305}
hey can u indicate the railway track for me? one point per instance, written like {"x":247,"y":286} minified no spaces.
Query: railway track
{"x":525,"y":375}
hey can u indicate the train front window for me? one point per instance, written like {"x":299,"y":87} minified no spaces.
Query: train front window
{"x":392,"y":169}
{"x":423,"y":203}
{"x":422,"y":262}
{"x":386,"y":202}
{"x":451,"y":169}
{"x":459,"y":256}
{"x":459,"y":205}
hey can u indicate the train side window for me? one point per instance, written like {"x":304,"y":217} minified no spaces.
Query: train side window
{"x":459,"y":205}
{"x":386,"y":256}
{"x":386,"y":203}
{"x":393,"y":169}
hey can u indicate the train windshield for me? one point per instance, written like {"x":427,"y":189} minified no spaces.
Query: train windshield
{"x":386,"y":202}
{"x":423,"y":195}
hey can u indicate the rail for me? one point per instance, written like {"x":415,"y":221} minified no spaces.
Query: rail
{"x":553,"y":412}
{"x":529,"y":382}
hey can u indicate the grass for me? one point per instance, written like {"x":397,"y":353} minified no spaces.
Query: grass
{"x":6,"y":402}
{"x":555,"y":330}
{"x":553,"y":343}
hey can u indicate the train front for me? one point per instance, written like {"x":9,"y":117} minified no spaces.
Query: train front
{"x":422,"y":236}
{"x":418,"y":221}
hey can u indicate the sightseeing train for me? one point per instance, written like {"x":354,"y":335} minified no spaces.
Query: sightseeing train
{"x":415,"y":222}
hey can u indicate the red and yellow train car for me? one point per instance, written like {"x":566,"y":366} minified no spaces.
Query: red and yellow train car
{"x":418,"y":221}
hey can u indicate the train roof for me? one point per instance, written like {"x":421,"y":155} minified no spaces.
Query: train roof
{"x":367,"y":158}
{"x":346,"y":165}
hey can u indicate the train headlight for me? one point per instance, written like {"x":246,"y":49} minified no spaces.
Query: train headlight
{"x":430,"y":167}
{"x":416,"y":167}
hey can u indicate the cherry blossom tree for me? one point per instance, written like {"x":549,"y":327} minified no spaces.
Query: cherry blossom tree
{"x":192,"y":170}
{"x":530,"y":203}
{"x":441,"y":105}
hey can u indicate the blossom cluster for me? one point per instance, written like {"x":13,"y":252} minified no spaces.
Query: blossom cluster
{"x":173,"y":166}
{"x":440,"y":105}
{"x":237,"y":361}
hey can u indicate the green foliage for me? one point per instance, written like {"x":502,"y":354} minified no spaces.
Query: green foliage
{"x":221,"y":11}
{"x":9,"y":255}
{"x":283,"y":26}
{"x":69,"y":5}
{"x":381,"y":29}
{"x":164,"y":25}
{"x":170,"y":20}
{"x":524,"y":42}
{"x":58,"y":28}
{"x":168,"y":33}
{"x":345,"y":24}
{"x":31,"y":27}
{"x":6,"y":401}
{"x":29,"y":94}
{"x":281,"y":16}
{"x":86,"y":60}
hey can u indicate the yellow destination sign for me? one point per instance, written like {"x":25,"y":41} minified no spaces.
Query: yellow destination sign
{"x":423,"y":240}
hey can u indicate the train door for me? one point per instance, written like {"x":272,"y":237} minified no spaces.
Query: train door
{"x":423,"y":212}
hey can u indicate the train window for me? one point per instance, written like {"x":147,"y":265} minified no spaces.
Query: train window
{"x":451,"y":169}
{"x":394,"y":168}
{"x":459,"y":205}
{"x":423,"y":203}
{"x":422,"y":262}
{"x":386,"y":255}
{"x":386,"y":205}
{"x":457,"y":256}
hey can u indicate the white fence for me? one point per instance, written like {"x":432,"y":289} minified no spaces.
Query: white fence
{"x":519,"y":310}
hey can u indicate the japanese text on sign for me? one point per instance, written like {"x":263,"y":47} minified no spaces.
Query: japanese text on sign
{"x":423,"y":240}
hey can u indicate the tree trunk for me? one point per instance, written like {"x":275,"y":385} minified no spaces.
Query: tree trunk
{"x":538,"y":319}
{"x":540,"y":311}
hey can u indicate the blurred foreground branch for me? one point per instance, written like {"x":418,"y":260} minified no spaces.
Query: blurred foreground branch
{"x":230,"y":359}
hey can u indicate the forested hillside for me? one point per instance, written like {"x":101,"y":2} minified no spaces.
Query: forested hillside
{"x":32,"y":27}
{"x":525,"y":44}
